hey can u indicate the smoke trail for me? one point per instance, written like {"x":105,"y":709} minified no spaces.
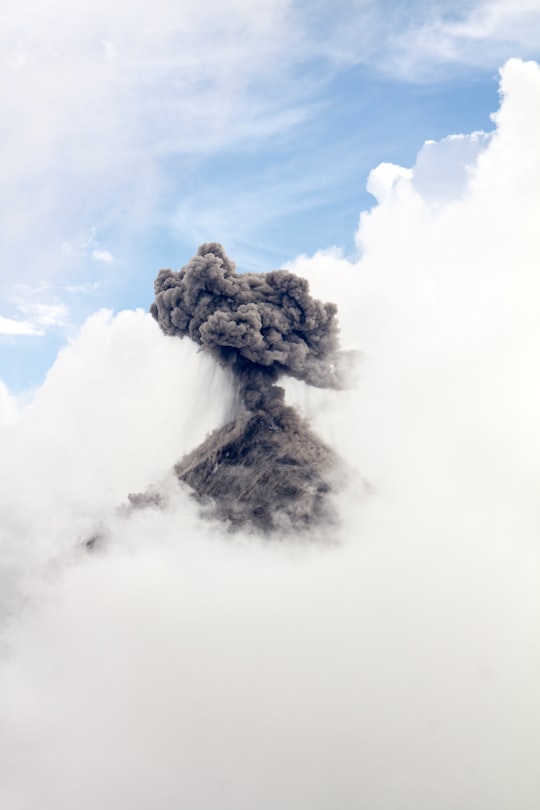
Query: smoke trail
{"x":266,"y":468}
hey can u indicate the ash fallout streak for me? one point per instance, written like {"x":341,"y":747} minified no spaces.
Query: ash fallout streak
{"x":266,"y":469}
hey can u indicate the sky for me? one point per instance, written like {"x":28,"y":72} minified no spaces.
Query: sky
{"x":131,"y":136}
{"x":389,"y":154}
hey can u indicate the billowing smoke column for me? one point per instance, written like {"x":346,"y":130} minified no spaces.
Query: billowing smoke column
{"x":266,"y":469}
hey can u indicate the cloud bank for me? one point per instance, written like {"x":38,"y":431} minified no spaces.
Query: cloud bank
{"x":396,"y":667}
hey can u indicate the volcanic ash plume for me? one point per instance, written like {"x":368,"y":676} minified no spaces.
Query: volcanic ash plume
{"x":265,"y":469}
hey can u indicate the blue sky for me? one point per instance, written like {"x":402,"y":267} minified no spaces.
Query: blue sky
{"x":129,"y":138}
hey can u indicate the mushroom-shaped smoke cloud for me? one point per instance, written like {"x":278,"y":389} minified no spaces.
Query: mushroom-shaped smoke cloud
{"x":260,"y":324}
{"x":266,"y":469}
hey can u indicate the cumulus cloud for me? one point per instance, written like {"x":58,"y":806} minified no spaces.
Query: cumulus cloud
{"x":8,"y":406}
{"x":395,"y":667}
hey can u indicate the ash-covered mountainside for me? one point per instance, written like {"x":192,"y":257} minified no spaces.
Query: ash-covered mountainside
{"x":266,"y":469}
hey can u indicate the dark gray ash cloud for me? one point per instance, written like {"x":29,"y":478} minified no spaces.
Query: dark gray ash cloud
{"x":266,"y":469}
{"x":262,"y":325}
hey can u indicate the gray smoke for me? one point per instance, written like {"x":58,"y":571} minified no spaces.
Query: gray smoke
{"x":262,"y":325}
{"x":266,"y":468}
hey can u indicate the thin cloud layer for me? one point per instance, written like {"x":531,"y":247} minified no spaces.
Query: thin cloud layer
{"x":396,"y":667}
{"x":459,"y":38}
{"x":419,"y":42}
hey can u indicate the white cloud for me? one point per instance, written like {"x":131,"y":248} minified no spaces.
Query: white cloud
{"x":442,"y":169}
{"x":8,"y":406}
{"x":46,"y":314}
{"x":383,"y":179}
{"x":12,"y":326}
{"x":89,"y":288}
{"x":103,"y":256}
{"x":500,"y":21}
{"x":39,"y":306}
{"x":399,"y":668}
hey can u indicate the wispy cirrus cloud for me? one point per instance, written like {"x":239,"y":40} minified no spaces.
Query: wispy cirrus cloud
{"x":89,"y":247}
{"x":14,"y":327}
{"x":466,"y":36}
{"x":35,"y":310}
{"x":425,"y":42}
